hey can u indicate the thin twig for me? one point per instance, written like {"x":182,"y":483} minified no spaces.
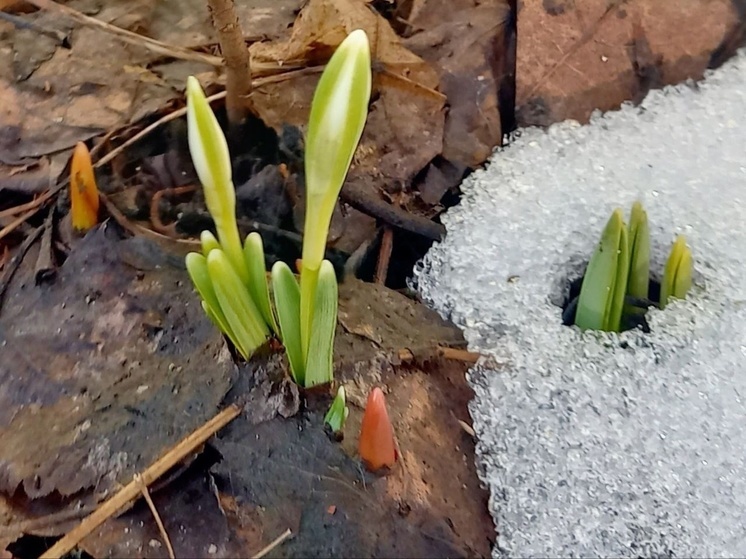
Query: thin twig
{"x":357,"y":197}
{"x":384,"y":256}
{"x":455,"y":354}
{"x":15,"y":210}
{"x":13,"y":225}
{"x":276,"y":542}
{"x":137,"y":229}
{"x":158,"y":521}
{"x":237,"y":61}
{"x":131,"y":491}
{"x":35,"y":207}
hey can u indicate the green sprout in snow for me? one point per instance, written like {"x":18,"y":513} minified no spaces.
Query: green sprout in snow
{"x":677,"y":277}
{"x":614,"y":291}
{"x":231,"y":277}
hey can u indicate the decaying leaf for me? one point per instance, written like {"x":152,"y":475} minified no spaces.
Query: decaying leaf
{"x":102,"y":370}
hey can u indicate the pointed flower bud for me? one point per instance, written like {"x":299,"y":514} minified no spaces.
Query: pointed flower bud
{"x":376,"y":445}
{"x":83,"y":190}
{"x":212,"y":162}
{"x":338,"y":113}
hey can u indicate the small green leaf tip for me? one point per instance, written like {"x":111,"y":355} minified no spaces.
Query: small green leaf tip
{"x":677,"y":277}
{"x":604,"y":285}
{"x":338,"y":412}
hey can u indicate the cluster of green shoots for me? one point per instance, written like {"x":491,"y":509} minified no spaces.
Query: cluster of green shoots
{"x":230,"y":276}
{"x":615,"y":287}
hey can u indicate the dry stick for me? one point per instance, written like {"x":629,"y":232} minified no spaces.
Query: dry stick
{"x":455,"y":354}
{"x":128,"y":36}
{"x":451,"y":353}
{"x":13,"y":225}
{"x":158,"y":521}
{"x":130,"y":492}
{"x":237,"y":60}
{"x":358,"y":198}
{"x":276,"y":542}
{"x":384,"y":255}
{"x":35,"y":207}
{"x":15,"y":210}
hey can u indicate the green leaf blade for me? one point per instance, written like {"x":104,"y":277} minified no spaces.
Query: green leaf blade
{"x":196,"y":265}
{"x":287,"y":304}
{"x":619,"y":289}
{"x":672,"y":266}
{"x":320,"y":363}
{"x":241,"y":314}
{"x":596,"y":292}
{"x":639,"y":266}
{"x":253,"y":250}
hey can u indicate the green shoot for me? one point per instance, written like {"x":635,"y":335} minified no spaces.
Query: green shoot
{"x":338,"y":412}
{"x":617,"y":277}
{"x":639,"y":262}
{"x":338,"y":114}
{"x":231,"y":279}
{"x":677,"y":277}
{"x":605,"y":282}
{"x":287,"y":303}
{"x":212,"y":162}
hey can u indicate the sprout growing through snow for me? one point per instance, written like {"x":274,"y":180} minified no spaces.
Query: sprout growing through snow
{"x":677,"y":278}
{"x":615,"y":286}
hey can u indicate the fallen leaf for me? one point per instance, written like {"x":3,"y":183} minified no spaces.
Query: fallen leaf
{"x":105,"y":388}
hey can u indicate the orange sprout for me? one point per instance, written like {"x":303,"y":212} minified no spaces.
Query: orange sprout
{"x":376,"y":446}
{"x":83,"y":190}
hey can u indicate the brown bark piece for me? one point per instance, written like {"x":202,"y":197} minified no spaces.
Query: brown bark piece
{"x":576,"y":57}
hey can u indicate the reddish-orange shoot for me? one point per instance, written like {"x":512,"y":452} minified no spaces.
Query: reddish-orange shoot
{"x":83,"y":190}
{"x":376,"y":446}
